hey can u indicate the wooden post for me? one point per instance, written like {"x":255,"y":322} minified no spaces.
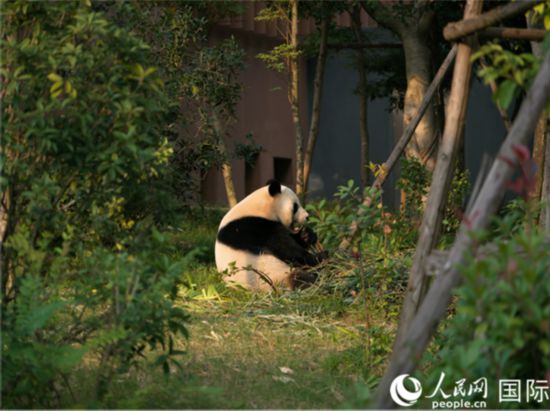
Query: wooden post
{"x":409,"y":352}
{"x":513,"y":33}
{"x":542,"y":138}
{"x":441,"y":178}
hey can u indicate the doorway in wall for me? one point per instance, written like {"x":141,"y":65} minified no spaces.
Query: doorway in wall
{"x":282,"y":170}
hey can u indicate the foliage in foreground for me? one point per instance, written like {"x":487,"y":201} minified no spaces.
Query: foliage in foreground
{"x":501,"y":328}
{"x":87,"y":275}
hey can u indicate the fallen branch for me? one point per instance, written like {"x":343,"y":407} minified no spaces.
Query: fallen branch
{"x":456,"y":30}
{"x":407,"y":354}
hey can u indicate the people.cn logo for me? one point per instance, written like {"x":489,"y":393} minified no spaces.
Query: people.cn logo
{"x":401,"y":395}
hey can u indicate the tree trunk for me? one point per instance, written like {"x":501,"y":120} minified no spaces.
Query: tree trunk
{"x":227,"y":169}
{"x":419,"y":75}
{"x":404,"y":139}
{"x":409,"y":352}
{"x":441,"y":178}
{"x":362,"y":91}
{"x":293,"y":97}
{"x":317,"y":95}
{"x":413,"y":27}
{"x":409,"y":131}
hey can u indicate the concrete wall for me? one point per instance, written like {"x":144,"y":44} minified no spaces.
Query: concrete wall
{"x":337,"y":153}
{"x":484,"y":128}
{"x":264,"y":112}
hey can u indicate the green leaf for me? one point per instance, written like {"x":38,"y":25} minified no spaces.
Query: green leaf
{"x":505,"y":93}
{"x":546,"y":43}
{"x":39,"y":316}
{"x":55,"y":77}
{"x":56,"y":86}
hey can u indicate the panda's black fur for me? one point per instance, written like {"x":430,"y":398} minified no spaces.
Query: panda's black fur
{"x":259,"y":235}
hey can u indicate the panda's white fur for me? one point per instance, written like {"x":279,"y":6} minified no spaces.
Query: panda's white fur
{"x":278,"y":208}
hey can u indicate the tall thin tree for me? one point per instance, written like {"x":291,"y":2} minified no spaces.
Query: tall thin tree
{"x":317,"y":92}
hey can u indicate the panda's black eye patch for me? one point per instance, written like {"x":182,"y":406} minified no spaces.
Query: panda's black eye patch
{"x":295,"y":208}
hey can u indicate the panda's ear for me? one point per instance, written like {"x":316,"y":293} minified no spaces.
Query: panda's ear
{"x":274,"y":187}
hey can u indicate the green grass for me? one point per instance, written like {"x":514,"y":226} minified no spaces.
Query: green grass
{"x":318,"y":348}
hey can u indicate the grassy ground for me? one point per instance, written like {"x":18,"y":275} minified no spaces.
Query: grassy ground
{"x":307,"y":349}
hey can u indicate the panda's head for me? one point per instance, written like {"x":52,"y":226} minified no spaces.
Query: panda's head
{"x":286,"y":206}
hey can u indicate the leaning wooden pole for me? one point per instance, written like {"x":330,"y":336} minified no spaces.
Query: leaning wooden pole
{"x":456,"y":30}
{"x":409,"y":352}
{"x":513,"y":33}
{"x":409,"y":131}
{"x":406,"y":136}
{"x":441,"y":178}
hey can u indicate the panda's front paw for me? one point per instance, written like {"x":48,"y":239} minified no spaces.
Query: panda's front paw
{"x":308,"y":236}
{"x":322,"y":256}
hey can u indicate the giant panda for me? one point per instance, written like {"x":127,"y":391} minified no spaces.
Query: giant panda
{"x":256,"y":246}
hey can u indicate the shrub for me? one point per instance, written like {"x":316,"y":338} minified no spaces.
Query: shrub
{"x":501,"y":328}
{"x":86,"y":271}
{"x":374,"y":265}
{"x":332,"y":220}
{"x":414,"y":182}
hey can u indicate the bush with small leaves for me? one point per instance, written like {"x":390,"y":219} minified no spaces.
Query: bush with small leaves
{"x":501,"y":329}
{"x":87,"y":270}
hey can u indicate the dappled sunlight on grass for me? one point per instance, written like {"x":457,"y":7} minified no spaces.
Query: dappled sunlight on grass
{"x":299,"y":350}
{"x":322,"y":347}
